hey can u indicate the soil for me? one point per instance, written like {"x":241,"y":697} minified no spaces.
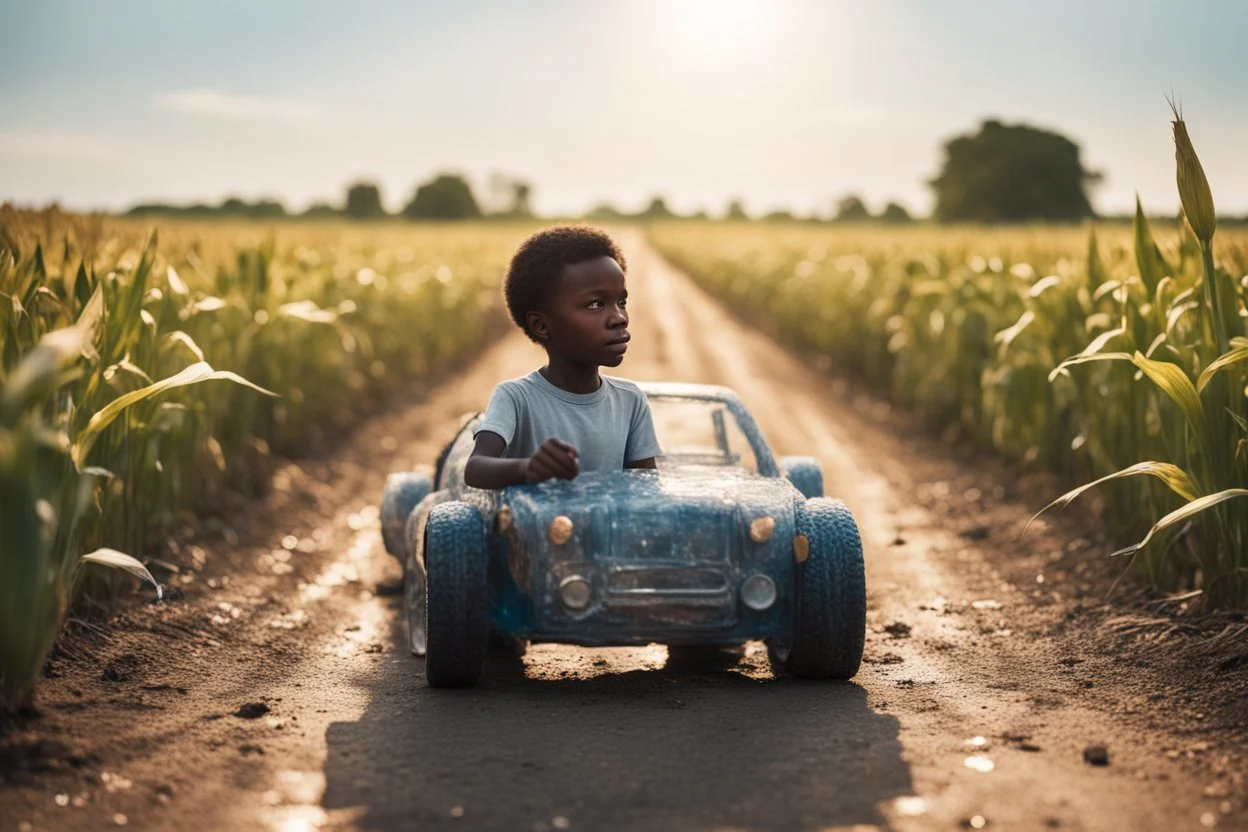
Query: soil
{"x":1004,"y":685}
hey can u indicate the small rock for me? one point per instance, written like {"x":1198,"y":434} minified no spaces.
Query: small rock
{"x":248,"y":749}
{"x":887,"y":658}
{"x":1070,"y":661}
{"x":1027,"y":746}
{"x":898,"y":629}
{"x":252,"y":710}
{"x":976,"y":532}
{"x":121,"y":669}
{"x":1096,"y":755}
{"x":387,"y":589}
{"x":899,"y":541}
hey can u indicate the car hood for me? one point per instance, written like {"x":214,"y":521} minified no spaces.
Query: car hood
{"x":691,"y":514}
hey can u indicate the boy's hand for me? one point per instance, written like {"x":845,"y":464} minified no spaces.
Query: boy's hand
{"x":555,"y":458}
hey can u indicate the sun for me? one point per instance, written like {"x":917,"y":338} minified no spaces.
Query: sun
{"x":713,"y":27}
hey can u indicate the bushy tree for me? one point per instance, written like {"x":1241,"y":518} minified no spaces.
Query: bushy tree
{"x":736,"y":211}
{"x":851,"y":208}
{"x":320,"y":211}
{"x":446,"y":197}
{"x":1012,"y":173}
{"x":656,"y":210}
{"x":604,"y":211}
{"x":895,"y":212}
{"x":364,"y":201}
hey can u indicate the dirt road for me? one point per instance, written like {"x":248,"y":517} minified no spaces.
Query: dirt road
{"x":279,"y":693}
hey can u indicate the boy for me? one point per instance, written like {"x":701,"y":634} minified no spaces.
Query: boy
{"x":565,"y":289}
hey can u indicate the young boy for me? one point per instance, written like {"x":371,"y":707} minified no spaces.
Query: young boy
{"x":565,"y":289}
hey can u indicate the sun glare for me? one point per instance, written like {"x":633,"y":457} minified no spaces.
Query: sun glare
{"x":712,"y":27}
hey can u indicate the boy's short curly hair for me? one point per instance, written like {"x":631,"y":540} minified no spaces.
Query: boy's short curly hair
{"x":537,"y":264}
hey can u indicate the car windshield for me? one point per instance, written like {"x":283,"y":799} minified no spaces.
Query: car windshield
{"x":693,"y":432}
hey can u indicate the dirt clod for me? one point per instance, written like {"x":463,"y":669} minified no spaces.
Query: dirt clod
{"x":898,"y":629}
{"x":386,"y":589}
{"x":887,"y":658}
{"x":252,"y":710}
{"x":121,"y":669}
{"x":1096,"y":755}
{"x":979,"y":532}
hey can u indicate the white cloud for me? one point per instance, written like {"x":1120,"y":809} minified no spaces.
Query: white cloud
{"x":211,"y":102}
{"x":53,"y":145}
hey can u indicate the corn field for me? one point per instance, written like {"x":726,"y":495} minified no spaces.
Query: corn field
{"x":1101,"y":354}
{"x":142,"y":374}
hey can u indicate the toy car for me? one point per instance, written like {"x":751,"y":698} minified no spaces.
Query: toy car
{"x":720,"y":545}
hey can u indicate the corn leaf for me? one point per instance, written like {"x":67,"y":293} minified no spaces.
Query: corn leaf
{"x":1179,"y":515}
{"x":1084,"y":359}
{"x":194,"y":374}
{"x":1236,"y":355}
{"x":39,"y":373}
{"x":1175,"y":384}
{"x":1178,"y":480}
{"x":1006,"y":336}
{"x":118,"y":560}
{"x":306,"y":310}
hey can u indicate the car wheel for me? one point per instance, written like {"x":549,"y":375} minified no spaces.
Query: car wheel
{"x":456,"y":600}
{"x":831,"y":613}
{"x":402,"y":494}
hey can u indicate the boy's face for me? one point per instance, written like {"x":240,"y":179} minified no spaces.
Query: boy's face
{"x":585,"y":320}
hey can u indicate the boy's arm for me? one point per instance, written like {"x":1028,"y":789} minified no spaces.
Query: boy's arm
{"x":486,"y":467}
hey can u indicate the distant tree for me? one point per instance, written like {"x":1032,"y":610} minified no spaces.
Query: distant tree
{"x":1011,"y":173}
{"x":851,"y":208}
{"x":447,"y":197}
{"x":780,"y":215}
{"x":233,"y":206}
{"x":521,"y":194}
{"x":259,"y":210}
{"x":320,"y":211}
{"x":896,"y":212}
{"x":364,"y":201}
{"x":735,"y":211}
{"x":604,"y":211}
{"x":510,"y":196}
{"x":657,"y":209}
{"x":266,"y":209}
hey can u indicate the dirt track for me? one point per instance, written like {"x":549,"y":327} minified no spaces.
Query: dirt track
{"x":988,"y":673}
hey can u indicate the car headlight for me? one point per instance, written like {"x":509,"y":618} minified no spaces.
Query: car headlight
{"x":758,"y":592}
{"x":574,"y":592}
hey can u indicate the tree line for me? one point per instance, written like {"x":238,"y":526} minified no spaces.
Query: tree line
{"x":999,"y":173}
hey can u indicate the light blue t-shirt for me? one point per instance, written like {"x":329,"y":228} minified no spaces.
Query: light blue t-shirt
{"x":610,"y":427}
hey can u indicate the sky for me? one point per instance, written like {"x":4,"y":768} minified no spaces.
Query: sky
{"x":781,"y":103}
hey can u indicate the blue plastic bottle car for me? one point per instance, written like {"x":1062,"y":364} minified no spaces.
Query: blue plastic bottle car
{"x":722,"y":544}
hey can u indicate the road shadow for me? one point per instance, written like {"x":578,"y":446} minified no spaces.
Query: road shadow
{"x":691,"y":745}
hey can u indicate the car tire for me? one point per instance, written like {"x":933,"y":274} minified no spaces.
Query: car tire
{"x":830,"y":620}
{"x":402,"y":494}
{"x":456,"y":607}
